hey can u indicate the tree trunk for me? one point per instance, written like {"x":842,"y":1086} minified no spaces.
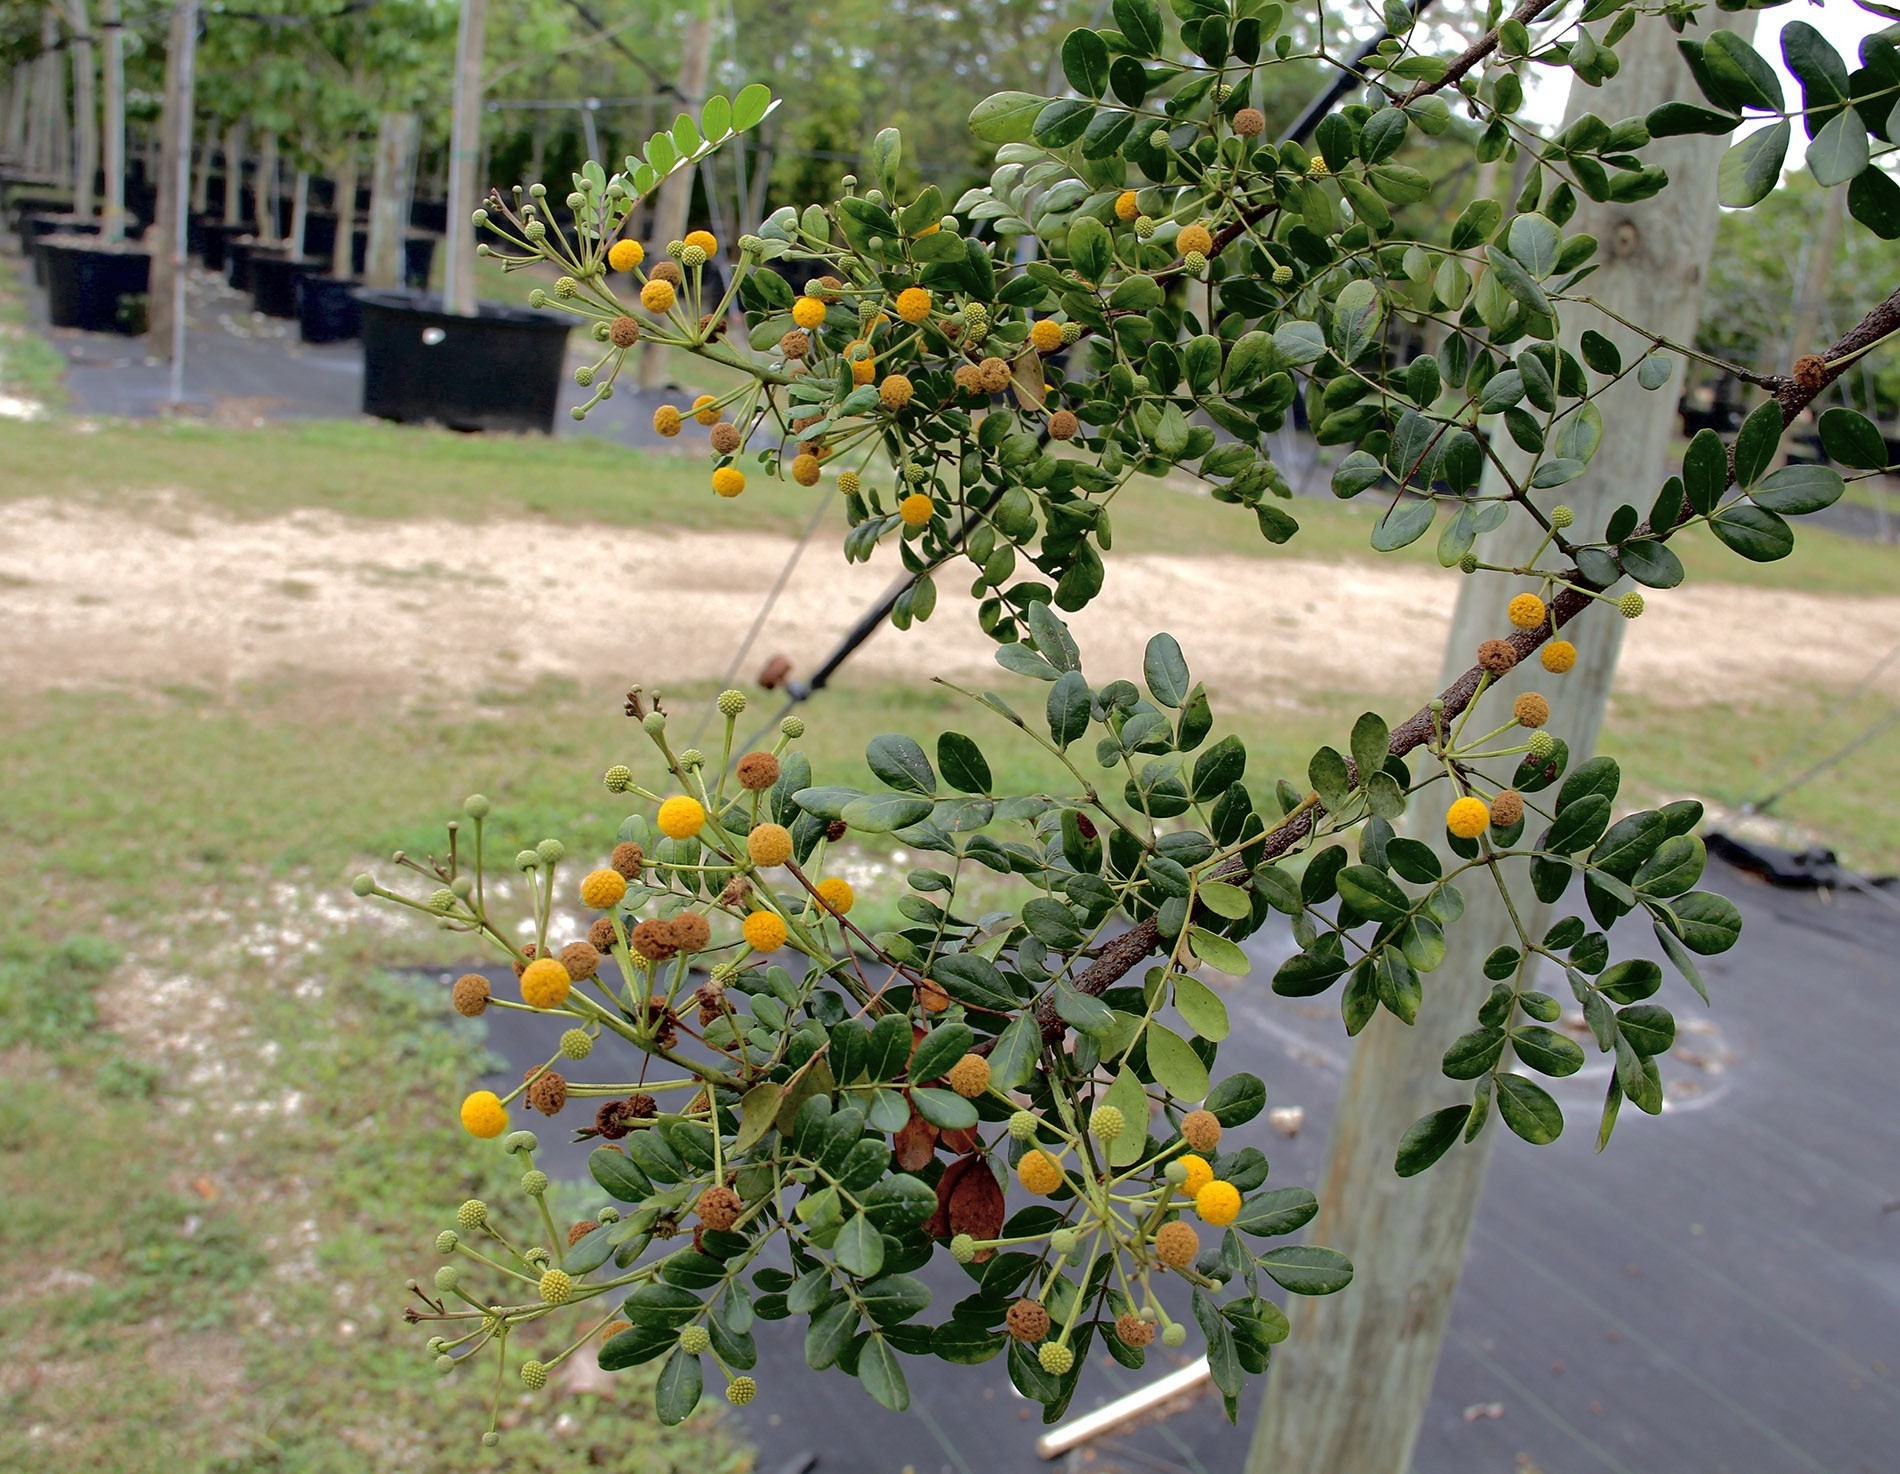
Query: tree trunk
{"x":236,"y":137}
{"x":1348,"y":1389}
{"x":389,"y":198}
{"x":43,"y":146}
{"x":676,"y":194}
{"x":342,"y":262}
{"x":264,"y":216}
{"x":465,"y":147}
{"x":165,"y":309}
{"x":112,"y":220}
{"x":19,"y":94}
{"x":201,"y":181}
{"x":299,"y":210}
{"x":85,"y":94}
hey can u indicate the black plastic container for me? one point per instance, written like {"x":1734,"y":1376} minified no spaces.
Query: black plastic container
{"x":274,"y":280}
{"x":217,"y":243}
{"x":499,"y":370}
{"x":319,"y":233}
{"x":327,"y":310}
{"x":240,"y":252}
{"x":431,"y":215}
{"x":418,"y":258}
{"x":98,"y":288}
{"x":34,"y":229}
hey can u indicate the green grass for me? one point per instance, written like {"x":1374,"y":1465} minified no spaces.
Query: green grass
{"x":30,"y":367}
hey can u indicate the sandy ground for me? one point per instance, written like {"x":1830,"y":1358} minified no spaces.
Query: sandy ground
{"x":173,"y":595}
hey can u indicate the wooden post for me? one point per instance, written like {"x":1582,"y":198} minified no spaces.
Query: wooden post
{"x":676,"y":194}
{"x":1349,"y":1387}
{"x":389,"y":198}
{"x":465,"y":146}
{"x":112,"y":218}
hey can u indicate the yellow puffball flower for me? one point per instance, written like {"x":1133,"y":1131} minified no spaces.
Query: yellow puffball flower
{"x":764,"y":931}
{"x":1199,"y":1174}
{"x":484,"y":1115}
{"x":916,"y":509}
{"x":1468,"y":818}
{"x":625,"y":255}
{"x":657,"y":296}
{"x":603,"y":888}
{"x":704,"y":239}
{"x":1038,"y":1172}
{"x":728,"y":481}
{"x":894,"y":392}
{"x":706,"y":410}
{"x":1559,"y":656}
{"x":808,"y":312}
{"x":969,"y":1076}
{"x":1218,"y":1203}
{"x":1526,"y":611}
{"x":863,"y":370}
{"x":667,"y":420}
{"x":1195,"y":238}
{"x":1125,"y":207}
{"x":544,"y":983}
{"x":681,"y":817}
{"x":837,"y":894}
{"x":913,"y":304}
{"x":805,"y":469}
{"x":769,"y":844}
{"x":1046,"y":335}
{"x":1531,"y":710}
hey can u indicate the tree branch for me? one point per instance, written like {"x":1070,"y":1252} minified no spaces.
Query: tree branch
{"x":1526,"y":12}
{"x":1122,"y":953}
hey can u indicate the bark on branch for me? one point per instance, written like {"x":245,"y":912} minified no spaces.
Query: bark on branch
{"x":1121,"y":954}
{"x":1526,"y":12}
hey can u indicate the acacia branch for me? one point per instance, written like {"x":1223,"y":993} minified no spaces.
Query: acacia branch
{"x":1122,"y":953}
{"x":1526,"y":12}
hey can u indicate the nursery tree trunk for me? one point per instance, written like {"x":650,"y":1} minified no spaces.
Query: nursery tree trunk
{"x":44,"y":145}
{"x":676,"y":194}
{"x":465,"y":146}
{"x":236,"y":137}
{"x":341,"y":254}
{"x":1350,"y":1386}
{"x":389,"y":198}
{"x":299,"y":211}
{"x":112,"y":220}
{"x":19,"y":93}
{"x":85,"y":111}
{"x":201,"y":180}
{"x":264,"y":215}
{"x":165,"y":309}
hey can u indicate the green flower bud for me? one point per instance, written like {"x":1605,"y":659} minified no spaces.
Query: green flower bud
{"x":446,"y":1241}
{"x":653,"y":723}
{"x":694,"y":1340}
{"x":963,"y":1248}
{"x":520,"y":1141}
{"x":442,"y":902}
{"x":551,"y":851}
{"x":792,"y":727}
{"x":447,"y":1278}
{"x":1022,"y":1126}
{"x":534,"y":1182}
{"x":534,"y":1375}
{"x":584,"y":376}
{"x":1176,"y":1173}
{"x":526,"y":860}
{"x":1174,"y":1335}
{"x":731,"y":703}
{"x":565,"y":287}
{"x":1063,"y":1241}
{"x":619,"y":778}
{"x":575,"y":1044}
{"x":364,"y":884}
{"x":1561,"y":516}
{"x":472,"y":1215}
{"x":476,"y":806}
{"x":692,"y":257}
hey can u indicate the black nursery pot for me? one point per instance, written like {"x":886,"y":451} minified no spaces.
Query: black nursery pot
{"x":218,"y":236}
{"x":34,"y":229}
{"x":499,"y":370}
{"x":240,"y":252}
{"x":327,"y":310}
{"x":101,"y":289}
{"x":418,"y":257}
{"x":274,"y":279}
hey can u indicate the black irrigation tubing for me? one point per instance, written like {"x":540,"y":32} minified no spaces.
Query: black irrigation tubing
{"x":872,"y":618}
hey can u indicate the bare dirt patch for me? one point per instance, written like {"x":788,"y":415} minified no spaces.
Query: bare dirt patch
{"x":169,"y":594}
